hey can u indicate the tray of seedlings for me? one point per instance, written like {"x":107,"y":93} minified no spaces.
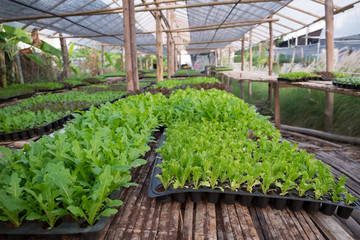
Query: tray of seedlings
{"x":44,"y":113}
{"x":222,"y":149}
{"x":298,"y":77}
{"x":347,"y":82}
{"x":329,"y":76}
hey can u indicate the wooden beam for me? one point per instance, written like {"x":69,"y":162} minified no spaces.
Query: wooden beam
{"x":271,"y":49}
{"x":329,"y":19}
{"x":159,"y":48}
{"x":127,"y":41}
{"x":291,"y":19}
{"x":322,"y":2}
{"x":303,"y":11}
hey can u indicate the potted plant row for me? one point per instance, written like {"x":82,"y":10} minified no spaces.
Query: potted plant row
{"x":347,"y":82}
{"x":298,"y":77}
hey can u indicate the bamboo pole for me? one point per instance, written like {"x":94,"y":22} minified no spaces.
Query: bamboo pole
{"x":159,"y":48}
{"x":250,"y":51}
{"x":102,"y":60}
{"x":242,"y":53}
{"x":127,"y":41}
{"x":271,"y":48}
{"x":329,"y":19}
{"x":133,"y":45}
{"x":140,"y":62}
{"x":216,"y":57}
{"x":65,"y":57}
{"x":168,"y":53}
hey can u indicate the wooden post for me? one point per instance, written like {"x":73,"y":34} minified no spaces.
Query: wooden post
{"x":133,"y":45}
{"x":216,"y":57}
{"x":269,"y":94}
{"x":242,"y":53}
{"x":259,"y":48}
{"x":102,"y":60}
{"x":271,"y":50}
{"x":179,"y":62}
{"x":122,"y":59}
{"x":229,"y":58}
{"x":277,"y":106}
{"x":168,"y":52}
{"x":293,"y":56}
{"x":3,"y":69}
{"x":242,"y":89}
{"x":172,"y":43}
{"x":221,"y":60}
{"x":222,"y":78}
{"x":65,"y":57}
{"x":175,"y":60}
{"x":127,"y":41}
{"x":159,"y":48}
{"x":228,"y":82}
{"x":140,"y":62}
{"x":329,"y":19}
{"x":250,"y":62}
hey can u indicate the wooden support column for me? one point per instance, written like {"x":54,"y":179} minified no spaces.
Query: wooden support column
{"x":159,"y":47}
{"x":65,"y":57}
{"x":168,"y":53}
{"x":3,"y":69}
{"x":221,"y":60}
{"x":271,"y":48}
{"x":179,"y":62}
{"x":175,"y":60}
{"x":102,"y":60}
{"x":140,"y":62}
{"x":329,"y":19}
{"x":229,"y":58}
{"x":242,"y":90}
{"x":216,"y":57}
{"x":122,"y":59}
{"x":277,"y":106}
{"x":250,"y":62}
{"x":128,"y":48}
{"x":242,"y":53}
{"x":222,"y":78}
{"x":173,"y":47}
{"x":133,"y":45}
{"x":269,"y":94}
{"x":18,"y":63}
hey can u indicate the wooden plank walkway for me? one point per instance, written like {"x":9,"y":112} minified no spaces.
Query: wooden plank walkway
{"x":144,"y":218}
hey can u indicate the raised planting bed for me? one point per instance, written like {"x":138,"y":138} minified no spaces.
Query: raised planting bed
{"x":217,"y":144}
{"x":298,"y":77}
{"x":347,"y":82}
{"x":71,"y":175}
{"x":35,"y":116}
{"x":219,"y":69}
{"x":194,"y":80}
{"x":329,"y":76}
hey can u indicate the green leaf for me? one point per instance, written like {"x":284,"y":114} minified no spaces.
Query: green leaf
{"x":108,"y":212}
{"x":114,"y":203}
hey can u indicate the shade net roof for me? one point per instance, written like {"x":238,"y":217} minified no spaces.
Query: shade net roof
{"x":293,"y":16}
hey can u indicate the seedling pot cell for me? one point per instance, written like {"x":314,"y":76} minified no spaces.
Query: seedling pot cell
{"x":7,"y":137}
{"x":312,"y":206}
{"x":55,"y":124}
{"x":229,"y":198}
{"x":164,"y":199}
{"x":344,"y":212}
{"x":1,"y":137}
{"x":262,"y":202}
{"x":47,"y":127}
{"x":212,"y":197}
{"x":328,"y":209}
{"x":32,"y":132}
{"x":40,"y":131}
{"x":15,"y":136}
{"x":245,"y":200}
{"x":279,"y":203}
{"x":180,"y":197}
{"x":296,"y":205}
{"x":24,"y":134}
{"x":196,"y":197}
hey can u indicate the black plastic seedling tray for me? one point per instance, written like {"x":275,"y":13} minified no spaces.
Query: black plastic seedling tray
{"x":346,"y":85}
{"x":292,"y":80}
{"x":245,"y":198}
{"x":32,"y":228}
